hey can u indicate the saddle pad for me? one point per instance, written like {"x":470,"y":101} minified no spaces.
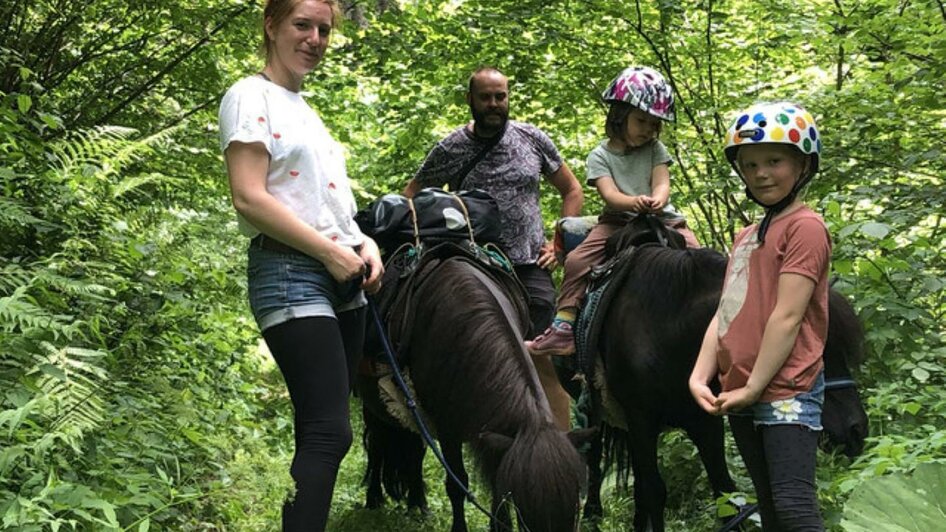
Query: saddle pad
{"x":396,"y":403}
{"x":604,"y":284}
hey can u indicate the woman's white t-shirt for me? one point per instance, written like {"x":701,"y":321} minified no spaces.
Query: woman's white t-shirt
{"x":307,"y":166}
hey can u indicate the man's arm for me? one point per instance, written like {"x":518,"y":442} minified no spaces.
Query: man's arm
{"x":568,"y":188}
{"x":434,"y":172}
{"x":572,"y":198}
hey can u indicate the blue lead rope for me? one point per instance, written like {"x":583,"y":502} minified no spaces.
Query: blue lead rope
{"x":737,"y":520}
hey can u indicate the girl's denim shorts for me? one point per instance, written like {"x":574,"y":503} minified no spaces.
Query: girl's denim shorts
{"x":803,"y":409}
{"x":286,"y":286}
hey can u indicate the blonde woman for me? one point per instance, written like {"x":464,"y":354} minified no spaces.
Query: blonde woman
{"x":308,"y":263}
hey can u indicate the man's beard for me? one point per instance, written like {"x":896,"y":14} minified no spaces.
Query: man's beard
{"x":480,"y":123}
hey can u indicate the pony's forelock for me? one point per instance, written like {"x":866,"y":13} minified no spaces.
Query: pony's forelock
{"x":546,"y":498}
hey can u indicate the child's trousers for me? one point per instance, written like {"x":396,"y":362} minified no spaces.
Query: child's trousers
{"x":781,"y":463}
{"x":591,"y":253}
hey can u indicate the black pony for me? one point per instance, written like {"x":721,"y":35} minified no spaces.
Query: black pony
{"x":476,"y":384}
{"x":651,"y":334}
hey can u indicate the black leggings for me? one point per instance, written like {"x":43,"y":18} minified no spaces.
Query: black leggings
{"x":317,"y":357}
{"x":781,"y":463}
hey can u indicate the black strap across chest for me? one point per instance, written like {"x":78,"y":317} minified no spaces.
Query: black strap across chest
{"x":465,"y":170}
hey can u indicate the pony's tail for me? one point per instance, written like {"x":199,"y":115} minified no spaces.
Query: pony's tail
{"x":616,"y":452}
{"x":395,"y":455}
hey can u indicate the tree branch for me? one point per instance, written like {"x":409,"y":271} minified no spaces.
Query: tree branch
{"x":210,"y":101}
{"x":144,"y":87}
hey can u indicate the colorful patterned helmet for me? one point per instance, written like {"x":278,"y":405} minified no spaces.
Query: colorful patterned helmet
{"x":644,"y":88}
{"x":775,"y":123}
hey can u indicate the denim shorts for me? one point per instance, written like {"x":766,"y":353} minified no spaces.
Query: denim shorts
{"x":802,"y":409}
{"x":286,"y":286}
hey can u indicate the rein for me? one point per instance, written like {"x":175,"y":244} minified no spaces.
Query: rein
{"x":412,"y":405}
{"x":840,"y":383}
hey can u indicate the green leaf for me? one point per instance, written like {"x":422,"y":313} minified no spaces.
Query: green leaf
{"x":921,"y":374}
{"x":107,"y":509}
{"x":23,"y":103}
{"x":51,"y":121}
{"x":899,"y":503}
{"x":875,"y":229}
{"x":848,"y":230}
{"x":8,"y":455}
{"x":145,"y":525}
{"x":162,"y":474}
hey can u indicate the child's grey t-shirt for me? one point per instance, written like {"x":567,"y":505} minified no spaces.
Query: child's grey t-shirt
{"x":631,"y":170}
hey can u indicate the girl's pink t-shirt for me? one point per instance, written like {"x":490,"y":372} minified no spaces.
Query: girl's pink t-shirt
{"x":796,"y":243}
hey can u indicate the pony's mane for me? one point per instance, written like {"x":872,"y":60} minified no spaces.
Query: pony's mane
{"x":643,"y":229}
{"x":473,"y":326}
{"x":663,"y":276}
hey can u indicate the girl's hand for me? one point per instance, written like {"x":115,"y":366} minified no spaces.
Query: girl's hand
{"x":737,"y":399}
{"x":704,"y":397}
{"x":657,"y":205}
{"x":371,"y":257}
{"x":647,"y":203}
{"x":344,"y":264}
{"x":651,"y":204}
{"x":637,"y":203}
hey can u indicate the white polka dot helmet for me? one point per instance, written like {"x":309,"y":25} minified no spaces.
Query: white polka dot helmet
{"x":644,"y":88}
{"x":775,"y":123}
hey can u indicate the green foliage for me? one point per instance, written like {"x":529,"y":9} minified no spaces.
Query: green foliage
{"x":133,"y":394}
{"x":899,"y":503}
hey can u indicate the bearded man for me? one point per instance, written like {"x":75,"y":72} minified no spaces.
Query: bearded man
{"x":508,"y":160}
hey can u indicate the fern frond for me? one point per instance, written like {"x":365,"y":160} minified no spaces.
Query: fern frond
{"x":104,"y":153}
{"x":13,"y":213}
{"x":20,"y":312}
{"x":82,"y":152}
{"x":135,"y":150}
{"x":73,"y":382}
{"x":131,"y":183}
{"x":12,"y":276}
{"x":75,"y":287}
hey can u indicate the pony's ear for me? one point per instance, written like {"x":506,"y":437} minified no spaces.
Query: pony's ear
{"x":580,"y":437}
{"x":500,"y":443}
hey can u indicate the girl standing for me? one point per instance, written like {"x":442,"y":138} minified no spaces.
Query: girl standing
{"x":307,"y":258}
{"x":766,"y":340}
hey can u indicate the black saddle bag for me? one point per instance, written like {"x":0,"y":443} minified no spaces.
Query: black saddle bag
{"x":432,"y":215}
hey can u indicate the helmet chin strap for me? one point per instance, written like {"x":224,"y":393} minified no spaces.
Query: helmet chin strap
{"x":772,"y":210}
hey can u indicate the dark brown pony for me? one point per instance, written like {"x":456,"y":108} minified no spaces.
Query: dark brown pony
{"x":651,"y":335}
{"x":476,"y":384}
